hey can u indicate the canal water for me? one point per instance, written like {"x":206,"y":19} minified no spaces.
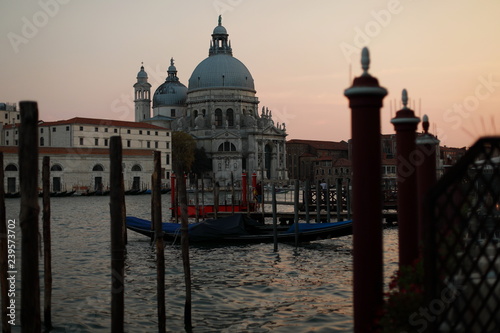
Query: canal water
{"x":247,"y":288}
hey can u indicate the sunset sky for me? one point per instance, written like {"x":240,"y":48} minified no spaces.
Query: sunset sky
{"x":81,"y":58}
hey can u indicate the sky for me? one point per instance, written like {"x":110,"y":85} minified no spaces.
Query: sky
{"x":81,"y":58}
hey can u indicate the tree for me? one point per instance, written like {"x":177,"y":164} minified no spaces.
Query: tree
{"x":202,"y":163}
{"x":183,"y":152}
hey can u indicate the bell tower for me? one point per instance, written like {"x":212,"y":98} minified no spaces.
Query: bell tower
{"x":142,"y":99}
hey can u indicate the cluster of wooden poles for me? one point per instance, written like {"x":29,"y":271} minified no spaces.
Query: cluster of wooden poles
{"x":28,"y":218}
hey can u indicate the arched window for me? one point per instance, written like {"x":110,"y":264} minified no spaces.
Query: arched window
{"x":218,"y":118}
{"x":98,"y":167}
{"x":227,"y":146}
{"x":230,"y":117}
{"x":11,"y":167}
{"x":56,"y":167}
{"x":136,"y":167}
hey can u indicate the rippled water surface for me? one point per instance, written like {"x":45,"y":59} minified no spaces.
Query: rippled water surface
{"x":235,"y":289}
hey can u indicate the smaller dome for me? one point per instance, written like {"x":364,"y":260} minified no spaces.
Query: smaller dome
{"x":220,"y":30}
{"x":170,"y":94}
{"x":142,"y":74}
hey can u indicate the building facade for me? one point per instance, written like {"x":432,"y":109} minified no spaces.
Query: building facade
{"x":220,"y":109}
{"x":79,"y":151}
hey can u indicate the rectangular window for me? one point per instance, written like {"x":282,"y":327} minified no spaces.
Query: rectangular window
{"x":106,"y":142}
{"x":172,"y":112}
{"x":128,"y":143}
{"x":168,"y":133}
{"x":148,"y":144}
{"x":97,"y":142}
{"x":81,"y":128}
{"x":156,"y":144}
{"x":140,"y":131}
{"x":7,"y":134}
{"x":116,"y":130}
{"x":128,"y":131}
{"x":168,"y":159}
{"x":156,"y":132}
{"x":168,"y":145}
{"x":6,"y":116}
{"x":96,"y":129}
{"x":67,"y":128}
{"x":41,"y":130}
{"x":106,"y":130}
{"x":53,"y":129}
{"x":149,"y":132}
{"x":81,"y":141}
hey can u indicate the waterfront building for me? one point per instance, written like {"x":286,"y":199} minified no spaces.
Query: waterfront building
{"x":79,"y":151}
{"x":219,"y":108}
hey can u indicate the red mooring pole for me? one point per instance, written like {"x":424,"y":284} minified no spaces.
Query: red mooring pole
{"x":172,"y":195}
{"x":244,"y":195}
{"x":426,"y":174}
{"x":365,"y":100}
{"x":405,"y":123}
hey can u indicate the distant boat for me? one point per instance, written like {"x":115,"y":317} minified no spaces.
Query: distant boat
{"x":239,"y":228}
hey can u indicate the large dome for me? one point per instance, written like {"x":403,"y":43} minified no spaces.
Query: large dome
{"x":221,"y":71}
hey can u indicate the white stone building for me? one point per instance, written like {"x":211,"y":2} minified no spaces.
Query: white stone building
{"x":219,"y":108}
{"x":79,"y":152}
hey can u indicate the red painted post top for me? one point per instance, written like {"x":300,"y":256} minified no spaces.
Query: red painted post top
{"x":365,"y":100}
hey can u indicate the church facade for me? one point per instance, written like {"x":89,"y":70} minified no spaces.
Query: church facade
{"x":220,"y":109}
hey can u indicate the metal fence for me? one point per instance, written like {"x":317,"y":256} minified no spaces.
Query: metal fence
{"x":462,"y":252}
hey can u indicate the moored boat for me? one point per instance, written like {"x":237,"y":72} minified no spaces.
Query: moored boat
{"x":239,"y":228}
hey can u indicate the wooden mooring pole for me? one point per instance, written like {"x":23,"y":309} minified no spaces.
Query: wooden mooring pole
{"x":28,"y":176}
{"x":117,"y":242}
{"x":181,"y":186}
{"x":4,"y":283}
{"x":47,"y":245}
{"x":296,"y":210}
{"x":160,"y":255}
{"x":275,"y":219}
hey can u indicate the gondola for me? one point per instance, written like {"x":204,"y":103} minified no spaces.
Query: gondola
{"x":240,"y":228}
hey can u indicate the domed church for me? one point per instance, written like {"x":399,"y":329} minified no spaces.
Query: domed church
{"x":219,"y":108}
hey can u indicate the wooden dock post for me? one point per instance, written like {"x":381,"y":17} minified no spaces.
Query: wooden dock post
{"x":47,"y":245}
{"x":339,"y":198}
{"x":365,"y":100}
{"x":181,"y":186}
{"x":160,"y":254}
{"x":318,"y":201}
{"x":348,"y":198}
{"x":117,"y":242}
{"x":296,"y":209}
{"x":3,"y":253}
{"x":307,"y":196}
{"x":328,"y":202}
{"x":275,"y":219}
{"x":28,"y":176}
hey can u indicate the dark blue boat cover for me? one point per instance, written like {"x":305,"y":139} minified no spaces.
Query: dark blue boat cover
{"x":234,"y":225}
{"x":315,"y":226}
